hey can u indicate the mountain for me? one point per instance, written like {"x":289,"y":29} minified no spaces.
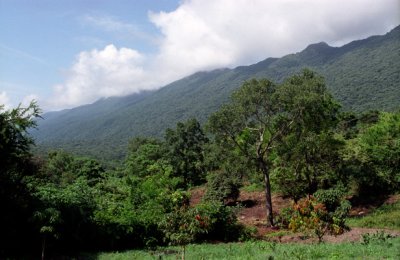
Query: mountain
{"x":362,"y":75}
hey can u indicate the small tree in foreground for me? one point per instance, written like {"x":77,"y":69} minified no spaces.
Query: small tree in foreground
{"x":309,"y":214}
{"x":262,"y":113}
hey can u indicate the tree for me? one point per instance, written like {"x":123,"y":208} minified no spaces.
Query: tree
{"x":375,"y":154}
{"x":186,"y":151}
{"x":15,"y":164}
{"x":15,"y":141}
{"x":307,"y":162}
{"x":262,"y":113}
{"x":143,"y":152}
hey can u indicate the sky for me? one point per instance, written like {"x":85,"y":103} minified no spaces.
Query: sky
{"x":66,"y":53}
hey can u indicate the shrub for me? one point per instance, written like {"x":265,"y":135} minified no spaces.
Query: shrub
{"x":206,"y":221}
{"x":222,"y":186}
{"x":309,"y":214}
{"x":331,"y":198}
{"x":282,"y":219}
{"x":378,"y":237}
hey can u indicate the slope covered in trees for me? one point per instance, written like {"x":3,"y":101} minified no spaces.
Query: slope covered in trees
{"x":362,"y":75}
{"x":291,"y":134}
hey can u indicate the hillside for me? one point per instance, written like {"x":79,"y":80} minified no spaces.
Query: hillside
{"x":362,"y":75}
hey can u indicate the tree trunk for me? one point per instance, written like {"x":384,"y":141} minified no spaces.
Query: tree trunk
{"x":268,"y":202}
{"x":43,"y":246}
{"x":183,"y":252}
{"x":268,"y":197}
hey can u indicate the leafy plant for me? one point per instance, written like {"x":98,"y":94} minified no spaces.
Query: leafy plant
{"x":309,"y":214}
{"x":378,"y":237}
{"x":222,"y":186}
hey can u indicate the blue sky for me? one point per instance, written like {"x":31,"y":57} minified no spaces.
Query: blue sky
{"x":66,"y":53}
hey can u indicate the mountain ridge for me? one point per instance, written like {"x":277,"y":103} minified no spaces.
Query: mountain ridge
{"x":362,"y":75}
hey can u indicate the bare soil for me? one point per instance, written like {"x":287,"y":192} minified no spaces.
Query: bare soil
{"x":253,"y":213}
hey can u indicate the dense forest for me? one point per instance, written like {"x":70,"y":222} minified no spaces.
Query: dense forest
{"x":290,"y":137}
{"x":362,"y":75}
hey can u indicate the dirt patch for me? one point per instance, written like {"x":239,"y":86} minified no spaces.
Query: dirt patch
{"x":354,"y":235}
{"x":362,"y":207}
{"x":253,"y":213}
{"x":196,"y":194}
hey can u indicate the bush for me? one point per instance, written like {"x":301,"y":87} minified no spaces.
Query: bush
{"x":378,"y":237}
{"x":223,"y":187}
{"x":206,"y":221}
{"x":337,"y":206}
{"x":309,"y":214}
{"x":284,"y":217}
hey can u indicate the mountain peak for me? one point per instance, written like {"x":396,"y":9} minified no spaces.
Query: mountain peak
{"x":320,"y":48}
{"x":319,"y":45}
{"x":317,"y":53}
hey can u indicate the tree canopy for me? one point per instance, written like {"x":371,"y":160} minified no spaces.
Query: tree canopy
{"x":262,"y":114}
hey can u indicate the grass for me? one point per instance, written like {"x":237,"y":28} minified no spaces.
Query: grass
{"x":388,"y":249}
{"x":253,"y":188}
{"x":386,"y":216}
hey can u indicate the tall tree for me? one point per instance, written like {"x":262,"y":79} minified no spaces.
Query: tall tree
{"x":375,"y":154}
{"x":15,"y":164}
{"x":306,"y":163}
{"x":262,"y":113}
{"x":186,"y":151}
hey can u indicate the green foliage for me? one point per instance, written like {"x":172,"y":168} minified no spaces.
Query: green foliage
{"x":142,"y":154}
{"x":362,"y":75}
{"x":69,"y":205}
{"x":331,"y":198}
{"x":186,"y":151}
{"x":206,"y":221}
{"x":14,"y":139}
{"x":378,"y":237}
{"x":222,"y":186}
{"x":268,"y":250}
{"x":264,"y":120}
{"x":374,"y":156}
{"x":309,"y":214}
{"x":15,"y":165}
{"x":284,"y":217}
{"x":307,"y":157}
{"x":75,"y":203}
{"x":307,"y":162}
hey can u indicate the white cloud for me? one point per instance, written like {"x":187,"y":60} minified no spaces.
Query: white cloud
{"x":29,"y":98}
{"x":5,"y":100}
{"x":101,"y":73}
{"x":208,"y":34}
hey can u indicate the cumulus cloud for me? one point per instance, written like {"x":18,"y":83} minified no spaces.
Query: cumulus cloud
{"x":101,"y":73}
{"x":6,"y":100}
{"x":29,"y":98}
{"x":209,"y":34}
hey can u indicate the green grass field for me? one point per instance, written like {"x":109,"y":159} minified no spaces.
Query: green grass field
{"x":386,"y":216}
{"x":377,"y":249}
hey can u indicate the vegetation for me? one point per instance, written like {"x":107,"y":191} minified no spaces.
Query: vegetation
{"x":375,"y":249}
{"x":261,"y":115}
{"x":291,"y":136}
{"x":386,"y":216}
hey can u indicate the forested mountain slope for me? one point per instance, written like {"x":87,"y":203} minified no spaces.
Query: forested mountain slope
{"x":362,"y":75}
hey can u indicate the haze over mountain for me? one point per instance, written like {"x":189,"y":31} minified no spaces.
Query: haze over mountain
{"x":362,"y":75}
